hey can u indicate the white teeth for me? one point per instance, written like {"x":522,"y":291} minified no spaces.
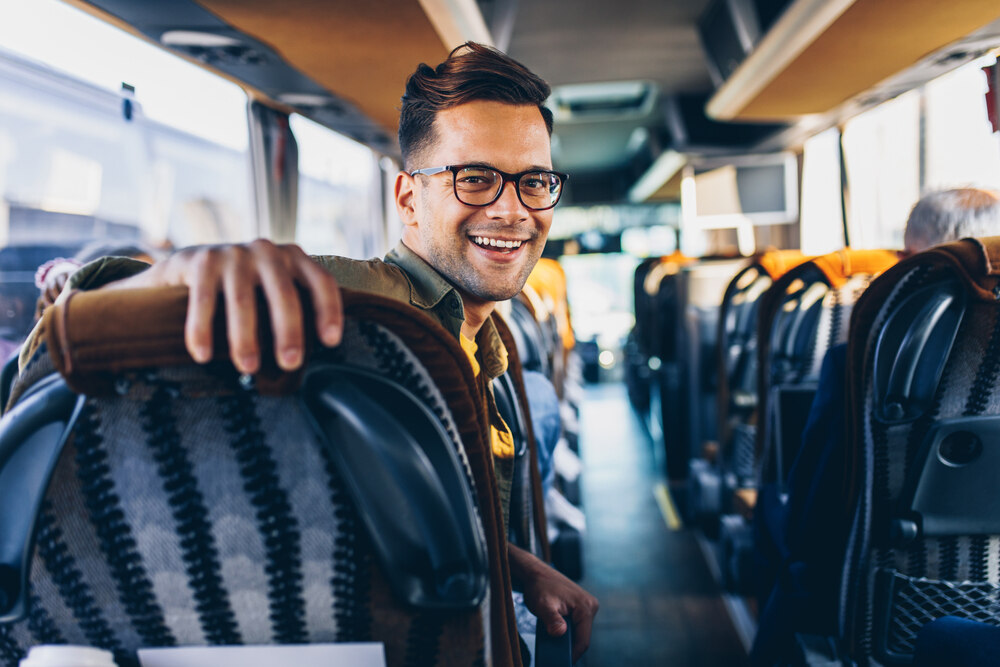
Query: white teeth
{"x":495,"y":243}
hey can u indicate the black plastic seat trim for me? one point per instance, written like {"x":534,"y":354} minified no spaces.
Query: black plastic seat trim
{"x":400,"y":468}
{"x":32,"y":436}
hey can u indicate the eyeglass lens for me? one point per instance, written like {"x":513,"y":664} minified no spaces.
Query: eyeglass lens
{"x":478,"y":186}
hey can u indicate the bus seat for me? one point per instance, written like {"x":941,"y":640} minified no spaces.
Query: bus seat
{"x":527,"y":512}
{"x":802,"y":315}
{"x":546,"y":537}
{"x":900,"y":524}
{"x":736,"y":383}
{"x":956,"y":642}
{"x":924,"y":359}
{"x":186,"y":505}
{"x":806,"y":312}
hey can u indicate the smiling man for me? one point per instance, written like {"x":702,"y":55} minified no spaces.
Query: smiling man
{"x":475,"y":196}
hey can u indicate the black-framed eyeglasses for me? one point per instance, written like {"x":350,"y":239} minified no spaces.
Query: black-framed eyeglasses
{"x":476,"y":185}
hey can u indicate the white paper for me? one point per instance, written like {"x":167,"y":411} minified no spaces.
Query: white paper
{"x":309,"y":655}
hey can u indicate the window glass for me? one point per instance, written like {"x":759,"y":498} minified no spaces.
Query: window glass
{"x":85,"y":158}
{"x":341,"y":206}
{"x":81,"y":156}
{"x":961,"y":148}
{"x":882,"y":153}
{"x":822,"y":226}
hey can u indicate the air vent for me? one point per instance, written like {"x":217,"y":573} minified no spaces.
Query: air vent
{"x":603,"y":99}
{"x":213,"y":48}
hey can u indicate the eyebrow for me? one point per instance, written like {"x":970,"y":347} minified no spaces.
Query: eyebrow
{"x":487,"y":165}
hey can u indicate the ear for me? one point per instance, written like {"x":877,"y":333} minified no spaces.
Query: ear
{"x":405,"y":192}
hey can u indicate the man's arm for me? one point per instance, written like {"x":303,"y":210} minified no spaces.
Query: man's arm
{"x":549,"y":595}
{"x":236,"y":271}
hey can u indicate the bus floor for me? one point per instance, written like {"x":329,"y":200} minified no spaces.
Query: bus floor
{"x":660,"y":604}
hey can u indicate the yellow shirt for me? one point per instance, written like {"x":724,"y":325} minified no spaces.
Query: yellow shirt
{"x":502,"y":440}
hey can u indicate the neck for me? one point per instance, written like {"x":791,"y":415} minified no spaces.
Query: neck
{"x":476,"y":312}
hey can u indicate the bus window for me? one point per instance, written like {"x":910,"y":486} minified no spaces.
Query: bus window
{"x":340,"y":194}
{"x":82,"y":156}
{"x":882,"y":152}
{"x":960,"y":147}
{"x":822,"y":225}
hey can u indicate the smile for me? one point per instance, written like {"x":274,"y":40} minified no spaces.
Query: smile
{"x":496,"y":244}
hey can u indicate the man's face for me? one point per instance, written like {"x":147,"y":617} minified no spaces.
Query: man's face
{"x":444,"y":231}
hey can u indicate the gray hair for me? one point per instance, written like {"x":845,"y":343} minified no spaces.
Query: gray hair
{"x":949,"y":215}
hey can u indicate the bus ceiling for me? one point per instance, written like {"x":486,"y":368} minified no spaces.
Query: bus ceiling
{"x":639,"y":91}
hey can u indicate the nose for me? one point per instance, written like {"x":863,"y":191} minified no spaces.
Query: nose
{"x":508,"y":206}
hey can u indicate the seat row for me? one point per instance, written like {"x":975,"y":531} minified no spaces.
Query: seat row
{"x":853,"y":491}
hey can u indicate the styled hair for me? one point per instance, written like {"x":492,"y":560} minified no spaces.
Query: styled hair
{"x":471,"y":72}
{"x":949,"y":215}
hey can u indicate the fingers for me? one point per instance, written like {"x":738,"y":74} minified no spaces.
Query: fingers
{"x":551,"y":617}
{"x":240,"y":293}
{"x":283,"y":303}
{"x":203,"y":288}
{"x":583,"y":623}
{"x":237,"y":272}
{"x":325,"y":294}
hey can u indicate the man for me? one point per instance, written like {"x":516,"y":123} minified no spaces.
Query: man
{"x":475,"y":196}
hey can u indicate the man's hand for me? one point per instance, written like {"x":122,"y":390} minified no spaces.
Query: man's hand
{"x":550,"y":596}
{"x":236,"y":271}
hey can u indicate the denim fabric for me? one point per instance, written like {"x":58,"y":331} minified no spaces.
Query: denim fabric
{"x":545,"y":421}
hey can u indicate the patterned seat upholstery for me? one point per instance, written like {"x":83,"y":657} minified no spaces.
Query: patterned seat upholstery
{"x":803,"y":315}
{"x":923,"y":365}
{"x":737,"y":355}
{"x":191,"y":507}
{"x":712,"y":482}
{"x":799,"y":317}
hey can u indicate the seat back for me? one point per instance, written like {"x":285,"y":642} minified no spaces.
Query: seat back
{"x":923,"y":364}
{"x":736,"y":356}
{"x":802,"y":315}
{"x":187,"y":505}
{"x":527,"y":527}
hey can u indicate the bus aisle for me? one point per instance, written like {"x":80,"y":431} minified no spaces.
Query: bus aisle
{"x":660,"y":604}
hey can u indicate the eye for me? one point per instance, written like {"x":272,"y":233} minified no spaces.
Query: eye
{"x":474,"y":176}
{"x":537,"y":182}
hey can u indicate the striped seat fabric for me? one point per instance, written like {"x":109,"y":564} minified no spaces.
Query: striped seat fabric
{"x":804,"y":314}
{"x":799,"y":317}
{"x":737,"y":355}
{"x":924,"y":360}
{"x":189,"y":507}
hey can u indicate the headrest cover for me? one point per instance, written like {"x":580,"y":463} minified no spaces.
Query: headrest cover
{"x":95,"y":335}
{"x":975,"y":261}
{"x":840,"y":265}
{"x":778,"y":262}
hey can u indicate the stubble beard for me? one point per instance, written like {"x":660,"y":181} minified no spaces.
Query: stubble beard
{"x":467,"y":280}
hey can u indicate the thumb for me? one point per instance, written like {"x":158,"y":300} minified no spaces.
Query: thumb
{"x":553,"y":621}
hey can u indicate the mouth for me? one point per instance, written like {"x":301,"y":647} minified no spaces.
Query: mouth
{"x":503,"y":246}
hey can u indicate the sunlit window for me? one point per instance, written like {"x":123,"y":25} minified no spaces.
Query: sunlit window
{"x":822,"y":227}
{"x":340,"y":208}
{"x":961,"y":148}
{"x":82,"y":157}
{"x":882,"y":152}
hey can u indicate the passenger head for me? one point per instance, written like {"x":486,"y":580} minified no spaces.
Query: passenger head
{"x":135,"y":250}
{"x":483,"y":110}
{"x":472,"y":72}
{"x":950,"y":215}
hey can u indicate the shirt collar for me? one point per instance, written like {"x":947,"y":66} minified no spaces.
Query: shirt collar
{"x":430,"y":291}
{"x":427,"y":286}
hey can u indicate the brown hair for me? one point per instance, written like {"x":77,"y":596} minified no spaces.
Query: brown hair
{"x":471,"y":72}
